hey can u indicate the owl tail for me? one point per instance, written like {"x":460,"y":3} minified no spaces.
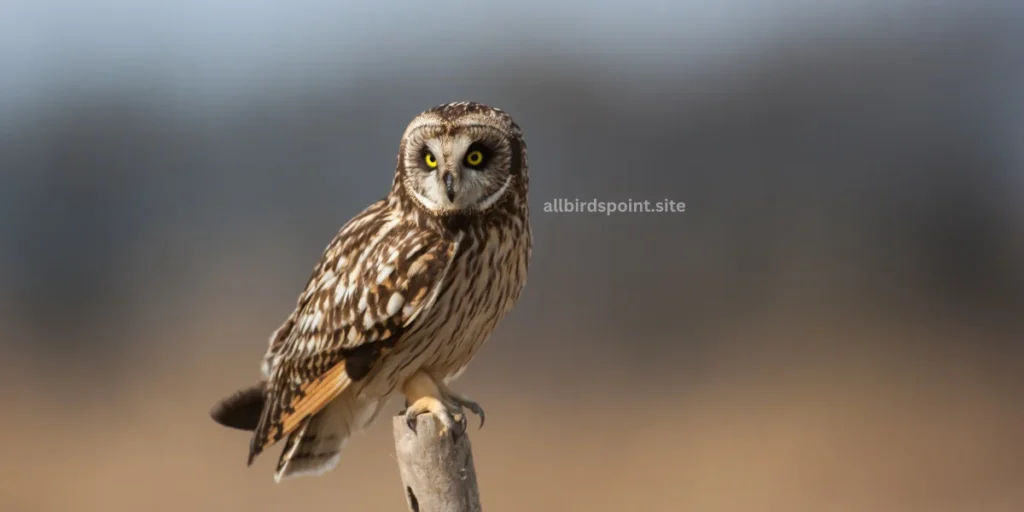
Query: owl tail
{"x":315,"y":447}
{"x":242,"y":409}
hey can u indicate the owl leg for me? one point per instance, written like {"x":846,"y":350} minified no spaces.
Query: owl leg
{"x":459,"y":400}
{"x":423,"y":397}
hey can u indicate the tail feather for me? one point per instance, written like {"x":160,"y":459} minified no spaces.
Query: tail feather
{"x":241,"y":410}
{"x":291,"y":399}
{"x":315,"y":447}
{"x":311,"y":450}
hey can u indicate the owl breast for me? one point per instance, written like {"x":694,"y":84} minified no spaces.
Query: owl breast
{"x":482,"y":285}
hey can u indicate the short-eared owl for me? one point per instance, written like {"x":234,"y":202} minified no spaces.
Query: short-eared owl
{"x":402,"y":298}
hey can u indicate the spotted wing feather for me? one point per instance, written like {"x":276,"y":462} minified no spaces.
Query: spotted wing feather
{"x":368,"y":288}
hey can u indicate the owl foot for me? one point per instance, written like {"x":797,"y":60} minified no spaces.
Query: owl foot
{"x":455,"y":423}
{"x":461,"y":402}
{"x":423,"y":396}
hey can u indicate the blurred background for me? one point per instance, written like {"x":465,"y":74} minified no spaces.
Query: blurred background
{"x":833,"y":324}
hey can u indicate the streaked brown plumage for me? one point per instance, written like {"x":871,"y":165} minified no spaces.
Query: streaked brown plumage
{"x":403,"y":297}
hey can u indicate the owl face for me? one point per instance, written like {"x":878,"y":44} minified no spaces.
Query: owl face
{"x":458,"y":159}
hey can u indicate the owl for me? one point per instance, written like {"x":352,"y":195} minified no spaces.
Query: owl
{"x":402,"y":298}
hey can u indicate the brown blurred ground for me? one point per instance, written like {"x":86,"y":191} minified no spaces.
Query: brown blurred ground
{"x":838,"y":422}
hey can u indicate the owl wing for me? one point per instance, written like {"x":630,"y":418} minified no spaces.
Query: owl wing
{"x":372,"y":282}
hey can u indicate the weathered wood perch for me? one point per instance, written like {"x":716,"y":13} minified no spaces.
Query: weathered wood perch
{"x":437,"y":472}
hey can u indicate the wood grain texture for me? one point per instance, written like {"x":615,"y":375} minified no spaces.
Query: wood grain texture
{"x":437,"y":472}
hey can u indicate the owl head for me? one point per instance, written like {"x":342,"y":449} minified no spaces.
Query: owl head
{"x":461,"y":157}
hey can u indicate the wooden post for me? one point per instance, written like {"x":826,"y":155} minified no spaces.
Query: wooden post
{"x":437,"y":473}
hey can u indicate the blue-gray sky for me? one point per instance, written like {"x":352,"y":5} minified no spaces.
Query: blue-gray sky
{"x":216,"y":49}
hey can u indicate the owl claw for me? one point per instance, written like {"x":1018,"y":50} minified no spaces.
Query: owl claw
{"x":463,"y":403}
{"x":475,"y":409}
{"x":460,"y":427}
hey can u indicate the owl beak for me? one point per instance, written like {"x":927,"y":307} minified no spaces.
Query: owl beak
{"x":449,"y":186}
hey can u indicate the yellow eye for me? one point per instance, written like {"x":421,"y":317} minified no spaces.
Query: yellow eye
{"x":430,"y":160}
{"x":475,"y":158}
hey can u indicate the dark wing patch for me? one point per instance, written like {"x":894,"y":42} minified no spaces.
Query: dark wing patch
{"x":359,"y":361}
{"x":372,"y":282}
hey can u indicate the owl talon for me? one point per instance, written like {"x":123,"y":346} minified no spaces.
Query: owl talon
{"x":475,"y":409}
{"x":462,"y":402}
{"x":410,"y":419}
{"x":461,"y":424}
